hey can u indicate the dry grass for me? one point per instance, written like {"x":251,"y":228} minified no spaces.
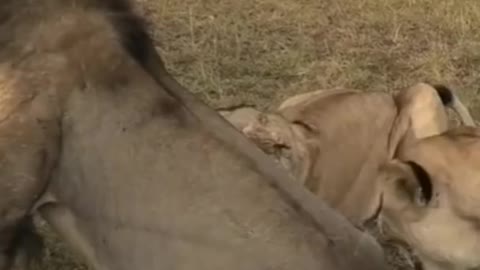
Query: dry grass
{"x":260,"y":51}
{"x":257,"y":52}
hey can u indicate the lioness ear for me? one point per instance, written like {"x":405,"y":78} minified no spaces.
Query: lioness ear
{"x":408,"y":182}
{"x":424,"y":192}
{"x":413,"y":104}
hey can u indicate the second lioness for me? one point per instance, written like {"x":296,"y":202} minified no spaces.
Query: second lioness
{"x":334,"y":140}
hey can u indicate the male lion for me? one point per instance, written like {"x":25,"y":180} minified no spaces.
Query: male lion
{"x":132,"y":170}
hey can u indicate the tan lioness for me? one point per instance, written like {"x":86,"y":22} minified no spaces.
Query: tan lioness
{"x":431,"y":199}
{"x":334,"y":140}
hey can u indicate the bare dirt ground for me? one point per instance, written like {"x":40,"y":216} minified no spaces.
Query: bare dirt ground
{"x":258,"y":52}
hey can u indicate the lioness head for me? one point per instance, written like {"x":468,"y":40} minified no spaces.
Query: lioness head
{"x":274,"y":135}
{"x":431,"y":199}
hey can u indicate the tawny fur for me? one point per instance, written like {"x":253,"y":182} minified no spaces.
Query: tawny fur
{"x":334,"y":140}
{"x":434,"y":206}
